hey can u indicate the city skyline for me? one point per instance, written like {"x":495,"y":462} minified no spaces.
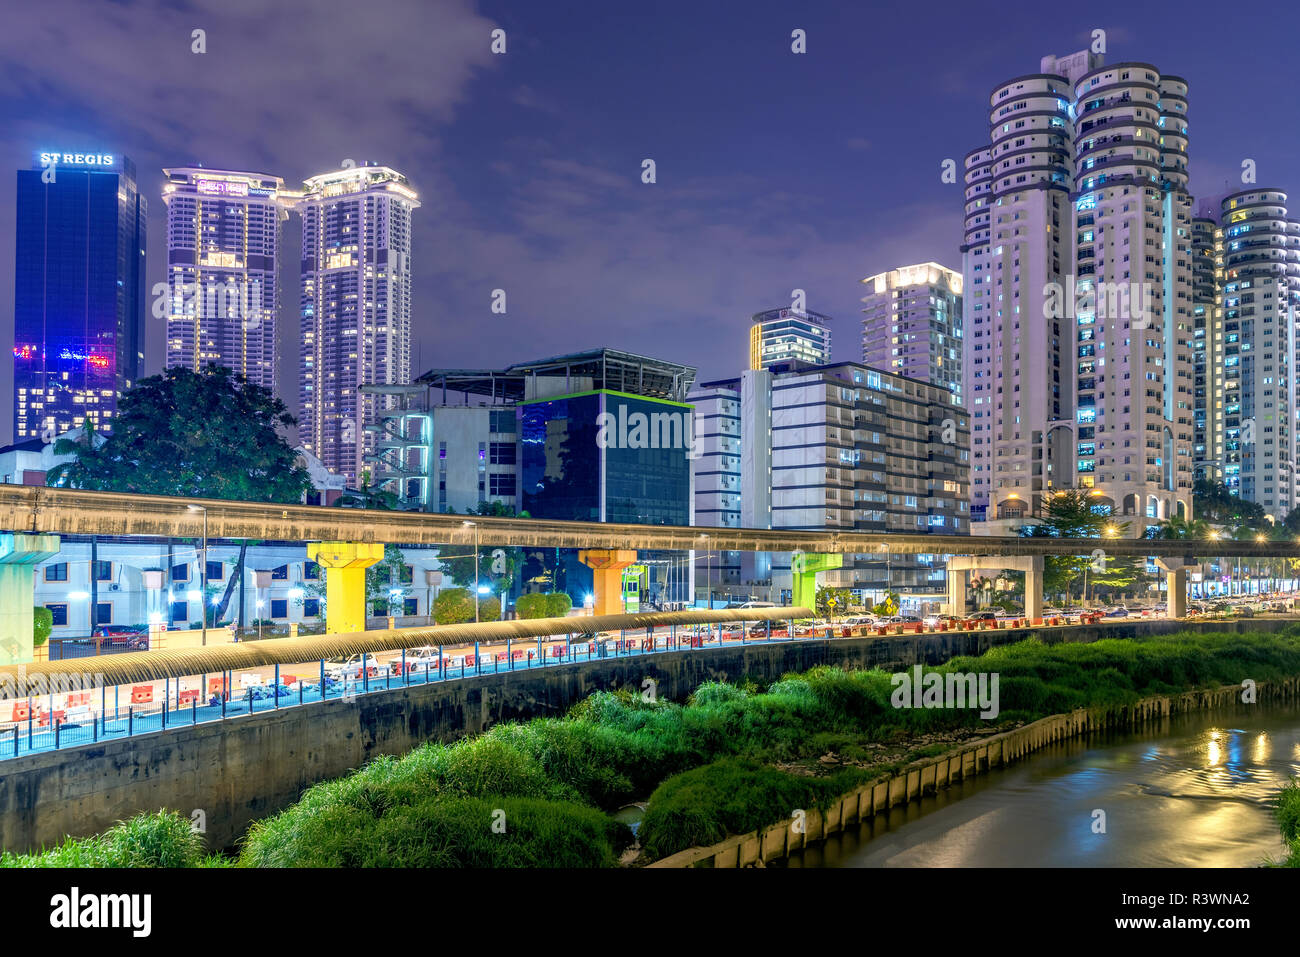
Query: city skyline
{"x":531,"y":193}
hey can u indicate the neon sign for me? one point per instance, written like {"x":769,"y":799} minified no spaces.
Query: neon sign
{"x":99,"y":362}
{"x":221,"y":187}
{"x":77,"y":159}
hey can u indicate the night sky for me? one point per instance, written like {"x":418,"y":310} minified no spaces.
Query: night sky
{"x":775,"y":170}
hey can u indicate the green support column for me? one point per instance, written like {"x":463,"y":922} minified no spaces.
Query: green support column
{"x":804,"y":566}
{"x":19,"y":554}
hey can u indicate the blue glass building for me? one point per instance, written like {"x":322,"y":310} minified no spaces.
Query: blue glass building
{"x":79,"y":291}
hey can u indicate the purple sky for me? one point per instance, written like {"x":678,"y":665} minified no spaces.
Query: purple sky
{"x":775,"y":170}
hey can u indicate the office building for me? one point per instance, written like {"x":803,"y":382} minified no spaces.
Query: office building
{"x":79,"y":291}
{"x":785,"y":335}
{"x":1207,"y":348}
{"x":911,"y":324}
{"x":830,"y":447}
{"x":223,"y":267}
{"x":355,"y":308}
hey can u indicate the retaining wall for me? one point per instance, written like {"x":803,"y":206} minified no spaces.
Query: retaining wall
{"x":251,"y":766}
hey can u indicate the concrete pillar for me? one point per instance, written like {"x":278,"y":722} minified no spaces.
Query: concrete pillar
{"x":19,"y":554}
{"x":1176,"y":587}
{"x":607,"y":566}
{"x":345,"y":565}
{"x":956,"y":590}
{"x":804,"y":567}
{"x":1034,"y":587}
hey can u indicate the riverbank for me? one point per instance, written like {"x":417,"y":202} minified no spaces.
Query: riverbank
{"x":731,"y":760}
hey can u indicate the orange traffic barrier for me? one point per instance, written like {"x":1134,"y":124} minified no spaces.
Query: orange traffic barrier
{"x":141,"y":694}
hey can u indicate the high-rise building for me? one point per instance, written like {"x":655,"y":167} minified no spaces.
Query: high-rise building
{"x":79,"y":291}
{"x":355,"y":308}
{"x":1078,"y":305}
{"x":783,"y":335}
{"x":893,"y":455}
{"x":912,"y":324}
{"x":1207,"y":348}
{"x":223,"y":267}
{"x":1260,"y":297}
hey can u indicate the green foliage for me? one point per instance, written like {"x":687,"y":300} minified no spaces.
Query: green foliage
{"x":42,"y":625}
{"x":384,"y":576}
{"x":209,"y":434}
{"x":164,"y":839}
{"x":489,"y":609}
{"x":1215,"y":504}
{"x":888,"y":605}
{"x":1288,"y":820}
{"x":732,"y":796}
{"x":832,"y":601}
{"x":558,"y":604}
{"x":532,"y":606}
{"x":453,"y":606}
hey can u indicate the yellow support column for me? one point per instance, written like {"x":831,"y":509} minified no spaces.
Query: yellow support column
{"x":607,"y":566}
{"x":345,"y":565}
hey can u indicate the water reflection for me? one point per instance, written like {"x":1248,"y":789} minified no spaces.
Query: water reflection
{"x":1188,"y":792}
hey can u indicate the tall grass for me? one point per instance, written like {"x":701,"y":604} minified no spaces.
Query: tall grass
{"x":1288,"y":820}
{"x":707,"y":761}
{"x":163,"y":839}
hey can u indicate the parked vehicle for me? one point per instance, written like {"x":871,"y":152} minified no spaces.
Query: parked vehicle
{"x":986,"y":615}
{"x":418,"y":661}
{"x":349,"y":667}
{"x":1119,"y":611}
{"x":934,"y":621}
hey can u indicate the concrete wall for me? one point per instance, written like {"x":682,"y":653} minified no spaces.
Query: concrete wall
{"x":250,"y":766}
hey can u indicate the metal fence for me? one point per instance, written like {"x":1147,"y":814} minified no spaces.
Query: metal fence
{"x":63,"y":719}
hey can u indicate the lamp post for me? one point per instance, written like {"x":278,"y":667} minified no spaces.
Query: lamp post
{"x":203,"y":568}
{"x":474,"y":525}
{"x":708,"y":562}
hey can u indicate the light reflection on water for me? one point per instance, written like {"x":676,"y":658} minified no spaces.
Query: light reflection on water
{"x":1194,"y":791}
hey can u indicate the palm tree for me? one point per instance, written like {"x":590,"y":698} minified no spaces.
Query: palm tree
{"x":1183,"y":529}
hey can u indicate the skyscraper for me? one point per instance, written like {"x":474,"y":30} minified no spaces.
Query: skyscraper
{"x":1207,"y":348}
{"x":780,"y":335}
{"x":223,"y":266}
{"x":912,"y":324}
{"x":79,"y":291}
{"x":356,"y":307}
{"x":1260,"y":296}
{"x":1078,"y":317}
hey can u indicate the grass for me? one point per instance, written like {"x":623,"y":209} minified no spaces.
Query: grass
{"x":1288,"y":821}
{"x":708,"y":764}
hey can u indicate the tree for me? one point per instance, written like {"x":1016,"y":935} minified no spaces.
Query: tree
{"x":1182,"y":529}
{"x":887,"y":605}
{"x":368,"y":496}
{"x":209,"y":434}
{"x":453,"y":606}
{"x":558,"y":604}
{"x":832,"y":601}
{"x":1215,"y":503}
{"x":497,"y":567}
{"x":1070,"y":514}
{"x":384,"y":576}
{"x":42,"y":625}
{"x":532,"y":606}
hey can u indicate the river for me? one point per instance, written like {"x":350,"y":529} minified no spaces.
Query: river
{"x":1192,"y":791}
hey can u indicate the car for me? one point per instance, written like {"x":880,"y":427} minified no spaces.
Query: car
{"x":860,"y":620}
{"x":349,"y":667}
{"x":986,"y":615}
{"x":418,"y":661}
{"x":934,"y":621}
{"x":1118,"y":611}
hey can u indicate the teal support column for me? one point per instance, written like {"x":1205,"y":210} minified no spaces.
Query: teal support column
{"x":804,"y":567}
{"x":19,"y":554}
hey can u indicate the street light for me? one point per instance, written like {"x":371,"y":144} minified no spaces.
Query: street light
{"x":203,"y":568}
{"x":708,"y":561}
{"x":474,"y":525}
{"x":260,"y":604}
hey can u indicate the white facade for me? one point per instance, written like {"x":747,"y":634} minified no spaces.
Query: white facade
{"x":1082,"y":192}
{"x":1260,"y":293}
{"x":355,"y":307}
{"x":127,"y":597}
{"x":788,"y":335}
{"x":223,"y":267}
{"x":911,"y":324}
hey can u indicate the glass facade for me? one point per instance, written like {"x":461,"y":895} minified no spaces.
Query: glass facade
{"x":633,"y":448}
{"x":79,"y":293}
